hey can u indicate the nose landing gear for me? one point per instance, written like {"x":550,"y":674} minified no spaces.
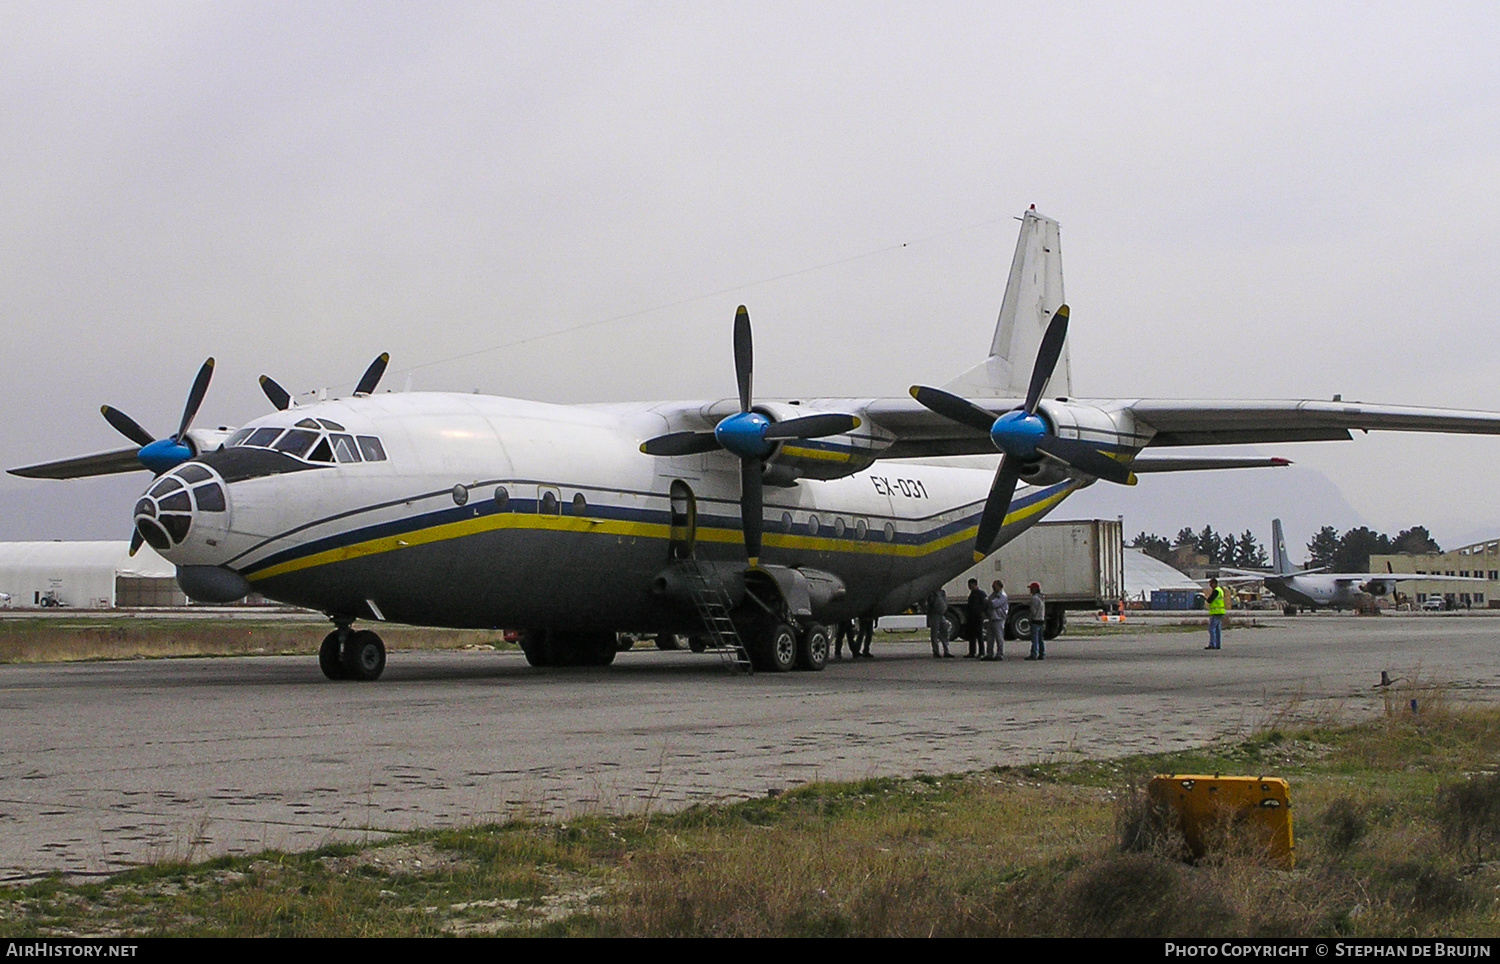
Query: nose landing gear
{"x":350,"y":654}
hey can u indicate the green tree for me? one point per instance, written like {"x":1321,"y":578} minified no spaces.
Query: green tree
{"x":1356,"y":547}
{"x":1416,"y":541}
{"x":1249,"y":553}
{"x":1155,"y":546}
{"x":1185,"y":537}
{"x":1210,"y":545}
{"x":1321,"y":550}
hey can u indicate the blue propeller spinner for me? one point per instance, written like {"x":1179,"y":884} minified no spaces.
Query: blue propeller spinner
{"x":1022,"y":436}
{"x":751,"y":436}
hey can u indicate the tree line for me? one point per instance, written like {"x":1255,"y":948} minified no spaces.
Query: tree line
{"x":1349,"y":552}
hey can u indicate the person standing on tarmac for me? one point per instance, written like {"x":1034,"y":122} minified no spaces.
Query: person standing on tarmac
{"x":1217,"y":604}
{"x":1038,"y":620}
{"x":937,"y":622}
{"x":975,"y":613}
{"x":866,"y":633}
{"x":999,"y":611}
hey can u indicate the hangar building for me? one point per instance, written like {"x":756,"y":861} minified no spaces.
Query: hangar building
{"x":85,"y":575}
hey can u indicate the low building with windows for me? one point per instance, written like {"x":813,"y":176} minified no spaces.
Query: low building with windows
{"x":1478,"y":561}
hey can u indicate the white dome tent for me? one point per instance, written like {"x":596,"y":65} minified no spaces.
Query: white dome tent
{"x":85,"y":575}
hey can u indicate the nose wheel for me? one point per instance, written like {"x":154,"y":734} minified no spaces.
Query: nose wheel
{"x":347,"y":654}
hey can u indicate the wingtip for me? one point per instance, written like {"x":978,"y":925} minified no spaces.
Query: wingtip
{"x":1063,"y":310}
{"x":914,"y":390}
{"x":1279,"y":462}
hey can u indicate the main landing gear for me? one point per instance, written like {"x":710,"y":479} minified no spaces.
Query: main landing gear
{"x":776,"y":646}
{"x":347,"y":653}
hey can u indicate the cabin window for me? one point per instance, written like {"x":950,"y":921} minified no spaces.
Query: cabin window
{"x":838,"y":528}
{"x":580,"y":504}
{"x":549,"y":504}
{"x":860,"y":529}
{"x":371,"y":449}
{"x":890,"y":532}
{"x":786,"y":521}
{"x":812,"y":525}
{"x":502,"y":499}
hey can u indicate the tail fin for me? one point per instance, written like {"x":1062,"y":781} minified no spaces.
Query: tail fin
{"x":1033,"y":292}
{"x":1283,"y":565}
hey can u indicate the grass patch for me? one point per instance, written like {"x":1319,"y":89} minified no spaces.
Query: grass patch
{"x":58,"y":640}
{"x":1395,"y":819}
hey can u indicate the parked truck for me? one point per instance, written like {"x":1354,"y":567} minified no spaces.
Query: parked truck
{"x":1080,"y":566}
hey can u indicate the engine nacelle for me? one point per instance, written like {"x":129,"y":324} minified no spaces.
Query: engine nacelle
{"x":832,"y":457}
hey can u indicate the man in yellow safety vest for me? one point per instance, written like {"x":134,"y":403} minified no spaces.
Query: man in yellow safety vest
{"x":1217,"y":603}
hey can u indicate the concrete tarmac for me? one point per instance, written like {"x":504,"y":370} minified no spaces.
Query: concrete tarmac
{"x":105,"y":765}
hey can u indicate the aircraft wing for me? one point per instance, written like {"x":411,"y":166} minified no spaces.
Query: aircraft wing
{"x":1209,"y":422}
{"x":919,"y":432}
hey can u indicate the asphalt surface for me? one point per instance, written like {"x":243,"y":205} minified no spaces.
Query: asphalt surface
{"x":103,"y":765}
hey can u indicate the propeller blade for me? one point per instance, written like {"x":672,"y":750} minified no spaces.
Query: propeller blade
{"x":996,"y":506}
{"x":194,"y":399}
{"x":744,"y":356}
{"x":1082,"y":456}
{"x":105,"y":463}
{"x":135,"y":541}
{"x":126,"y":425}
{"x":372,"y":375}
{"x":751,"y":506}
{"x":279,"y":396}
{"x":1046,"y":358}
{"x":813,"y":426}
{"x":953,"y":408}
{"x":680,"y":443}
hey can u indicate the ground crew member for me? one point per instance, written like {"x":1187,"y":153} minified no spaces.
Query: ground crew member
{"x":1217,"y":603}
{"x":1038,"y":620}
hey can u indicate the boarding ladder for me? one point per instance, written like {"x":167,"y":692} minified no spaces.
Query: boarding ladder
{"x":713,"y":605}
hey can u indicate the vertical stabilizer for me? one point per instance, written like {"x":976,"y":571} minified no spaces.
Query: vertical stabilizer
{"x":1283,"y":565}
{"x":1033,"y":292}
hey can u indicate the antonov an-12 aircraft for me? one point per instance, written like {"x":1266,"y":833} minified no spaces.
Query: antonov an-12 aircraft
{"x":753,"y":523}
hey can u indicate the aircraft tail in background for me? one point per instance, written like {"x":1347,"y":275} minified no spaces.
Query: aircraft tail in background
{"x":1281,"y":563}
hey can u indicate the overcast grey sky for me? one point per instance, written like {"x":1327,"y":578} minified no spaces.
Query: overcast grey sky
{"x":1256,"y":201}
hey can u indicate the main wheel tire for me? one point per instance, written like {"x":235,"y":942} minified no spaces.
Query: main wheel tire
{"x":668,"y":641}
{"x":364,"y":656}
{"x":778,"y":648}
{"x":596,"y":649}
{"x":812,"y":647}
{"x":698,"y":643}
{"x":624,"y":642}
{"x":1057,"y":621}
{"x":330,"y":659}
{"x":1289,"y":610}
{"x":954,"y":625}
{"x":534,"y":645}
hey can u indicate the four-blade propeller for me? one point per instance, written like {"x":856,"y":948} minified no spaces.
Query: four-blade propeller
{"x":1022,"y":436}
{"x":282,"y":398}
{"x":160,"y":455}
{"x":750,"y":435}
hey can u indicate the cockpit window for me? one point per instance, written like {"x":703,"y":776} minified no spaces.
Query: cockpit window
{"x":164,"y":486}
{"x":210,"y":498}
{"x":344,"y":448}
{"x":262,"y":437}
{"x":296,"y":442}
{"x":371,"y":449}
{"x":312,"y":441}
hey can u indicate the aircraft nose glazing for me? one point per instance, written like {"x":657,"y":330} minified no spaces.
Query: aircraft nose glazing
{"x":187,"y":496}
